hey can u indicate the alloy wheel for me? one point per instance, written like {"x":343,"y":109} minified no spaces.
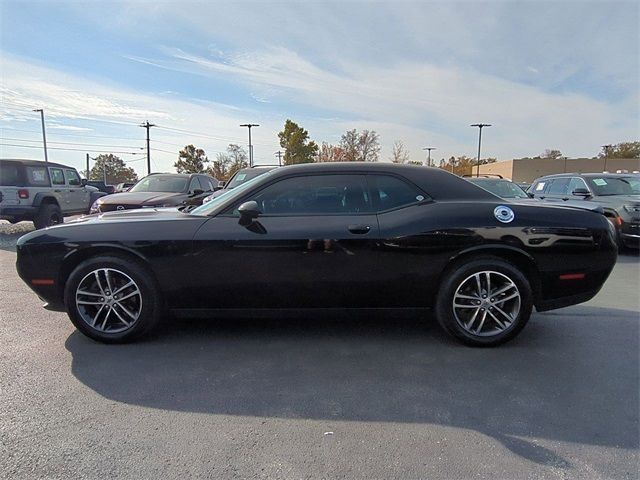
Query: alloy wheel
{"x":108,"y":300}
{"x":486,"y":303}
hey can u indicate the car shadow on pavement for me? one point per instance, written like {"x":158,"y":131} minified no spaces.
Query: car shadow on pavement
{"x":571,"y":376}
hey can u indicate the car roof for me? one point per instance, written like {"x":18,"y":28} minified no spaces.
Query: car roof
{"x":436,"y":182}
{"x":487,"y":179}
{"x":35,"y":163}
{"x":587,"y":175}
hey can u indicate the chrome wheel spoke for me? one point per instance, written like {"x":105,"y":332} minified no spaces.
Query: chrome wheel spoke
{"x":124,"y":287}
{"x":90,"y":294}
{"x":484,"y":317}
{"x":120,"y":317}
{"x":504,"y":314}
{"x":125,"y":310}
{"x":495,"y":319}
{"x":473,"y":318}
{"x":84,"y":302}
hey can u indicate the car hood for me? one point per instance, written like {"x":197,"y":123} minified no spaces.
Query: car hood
{"x":143,"y":198}
{"x":617,"y":200}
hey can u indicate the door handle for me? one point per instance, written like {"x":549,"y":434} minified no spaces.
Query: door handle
{"x":57,"y":191}
{"x":359,"y":229}
{"x":72,"y":190}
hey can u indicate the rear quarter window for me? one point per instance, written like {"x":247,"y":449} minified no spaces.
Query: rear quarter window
{"x":10,"y":175}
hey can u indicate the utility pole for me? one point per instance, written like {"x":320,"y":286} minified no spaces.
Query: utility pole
{"x":606,"y":155}
{"x":148,"y":125}
{"x":428,"y":149}
{"x":480,"y":127}
{"x":44,"y":135}
{"x":279,"y":155}
{"x":87,"y":166}
{"x":249,"y":125}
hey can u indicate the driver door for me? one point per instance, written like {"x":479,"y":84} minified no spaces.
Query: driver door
{"x":313,"y":245}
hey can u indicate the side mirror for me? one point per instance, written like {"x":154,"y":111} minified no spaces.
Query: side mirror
{"x":531,"y":195}
{"x":249,"y":211}
{"x":581,"y":192}
{"x":221,"y":184}
{"x":197,"y":191}
{"x":83,"y":182}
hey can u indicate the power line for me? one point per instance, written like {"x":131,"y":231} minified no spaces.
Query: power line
{"x":68,"y":149}
{"x":72,"y":143}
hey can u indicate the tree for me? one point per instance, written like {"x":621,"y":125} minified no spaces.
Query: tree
{"x":226,"y":164}
{"x":114,"y":167}
{"x":191,"y":160}
{"x":330,"y":153}
{"x":360,"y":147}
{"x":399,"y":154}
{"x":295,"y":140}
{"x":554,"y":154}
{"x":464,"y":165}
{"x":621,"y":150}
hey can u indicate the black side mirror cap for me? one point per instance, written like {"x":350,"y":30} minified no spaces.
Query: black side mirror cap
{"x":249,"y":211}
{"x":83,"y":182}
{"x":197,"y":191}
{"x":581,"y":192}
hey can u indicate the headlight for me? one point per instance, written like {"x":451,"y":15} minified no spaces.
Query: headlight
{"x":95,"y":208}
{"x":632,"y":208}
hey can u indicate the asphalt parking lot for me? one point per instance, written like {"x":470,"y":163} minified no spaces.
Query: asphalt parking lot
{"x":362,"y":398}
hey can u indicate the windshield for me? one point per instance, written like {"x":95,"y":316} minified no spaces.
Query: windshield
{"x":502,"y":188}
{"x":161,"y":183}
{"x":244,"y":176}
{"x":208,"y":207}
{"x":607,"y":186}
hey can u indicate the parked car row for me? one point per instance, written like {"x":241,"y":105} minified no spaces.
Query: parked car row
{"x":316,"y":238}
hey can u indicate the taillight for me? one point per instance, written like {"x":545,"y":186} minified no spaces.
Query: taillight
{"x":23,"y":193}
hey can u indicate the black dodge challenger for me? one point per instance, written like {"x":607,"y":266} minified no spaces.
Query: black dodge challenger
{"x":321,"y":237}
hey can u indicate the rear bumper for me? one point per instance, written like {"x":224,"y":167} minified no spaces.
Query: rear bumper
{"x":18,"y":213}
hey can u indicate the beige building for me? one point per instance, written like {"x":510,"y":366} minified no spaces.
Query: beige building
{"x":528,"y":169}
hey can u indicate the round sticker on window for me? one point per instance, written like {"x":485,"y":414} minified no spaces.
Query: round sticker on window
{"x":504,"y":214}
{"x":419,"y":198}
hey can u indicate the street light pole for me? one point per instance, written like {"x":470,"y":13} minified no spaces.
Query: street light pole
{"x":148,"y":125}
{"x":480,"y":127}
{"x":428,"y":149}
{"x":249,"y":125}
{"x":44,"y":135}
{"x":606,"y":154}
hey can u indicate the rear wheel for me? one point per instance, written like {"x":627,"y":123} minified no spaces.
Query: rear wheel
{"x":484,"y":302}
{"x":48,"y":215}
{"x":112,"y":300}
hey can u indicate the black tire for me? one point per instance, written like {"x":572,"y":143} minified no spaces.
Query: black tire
{"x":150,"y":300}
{"x":49,"y":214}
{"x":455,"y":278}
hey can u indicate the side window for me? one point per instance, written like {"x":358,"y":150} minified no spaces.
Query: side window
{"x":72,"y":177}
{"x":37,"y":176}
{"x":195,"y":185}
{"x":57,"y":177}
{"x":559,"y":186}
{"x":576,"y":182}
{"x":391,"y":192}
{"x":207,"y":183}
{"x":315,"y":195}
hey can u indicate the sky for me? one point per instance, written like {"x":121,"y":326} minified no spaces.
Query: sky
{"x":546,"y":75}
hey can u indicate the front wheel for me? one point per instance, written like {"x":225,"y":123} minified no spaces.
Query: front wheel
{"x":484,"y":302}
{"x":112,"y":299}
